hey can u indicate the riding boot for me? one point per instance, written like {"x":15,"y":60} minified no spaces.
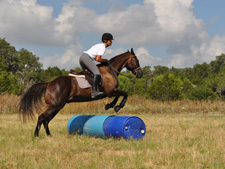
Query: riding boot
{"x":95,"y":93}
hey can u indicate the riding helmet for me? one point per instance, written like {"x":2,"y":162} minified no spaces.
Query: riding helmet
{"x":107,"y":36}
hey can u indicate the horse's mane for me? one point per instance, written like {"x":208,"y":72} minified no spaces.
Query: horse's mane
{"x":112,"y":59}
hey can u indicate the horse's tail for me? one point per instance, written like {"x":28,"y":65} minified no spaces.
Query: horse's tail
{"x":31,"y":99}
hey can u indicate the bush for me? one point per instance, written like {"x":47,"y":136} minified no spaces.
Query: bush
{"x":9,"y":83}
{"x":166,"y":87}
{"x":201,"y":93}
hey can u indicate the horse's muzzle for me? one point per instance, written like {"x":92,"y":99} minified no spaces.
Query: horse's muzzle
{"x":138,"y":73}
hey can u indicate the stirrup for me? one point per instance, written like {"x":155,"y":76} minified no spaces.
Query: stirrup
{"x":95,"y":94}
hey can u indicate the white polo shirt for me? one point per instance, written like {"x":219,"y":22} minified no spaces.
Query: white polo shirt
{"x":98,"y":49}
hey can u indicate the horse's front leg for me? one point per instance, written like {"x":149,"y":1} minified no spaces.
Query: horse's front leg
{"x":112,"y":104}
{"x":119,"y":93}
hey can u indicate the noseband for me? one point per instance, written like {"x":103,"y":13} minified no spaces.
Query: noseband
{"x":138,"y":67}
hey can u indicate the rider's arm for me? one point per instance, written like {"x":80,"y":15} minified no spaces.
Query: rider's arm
{"x":99,"y":59}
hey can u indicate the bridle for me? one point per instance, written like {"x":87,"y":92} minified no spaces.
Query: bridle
{"x":138,"y":67}
{"x":119,"y":73}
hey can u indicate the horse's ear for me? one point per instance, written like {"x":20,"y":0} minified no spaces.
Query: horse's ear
{"x":128,"y":51}
{"x":132,"y":51}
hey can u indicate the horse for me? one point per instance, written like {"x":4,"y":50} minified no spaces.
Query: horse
{"x":65,"y":89}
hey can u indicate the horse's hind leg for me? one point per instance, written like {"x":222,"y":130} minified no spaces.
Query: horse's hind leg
{"x":46,"y":122}
{"x":112,"y":104}
{"x":38,"y":127}
{"x":45,"y":118}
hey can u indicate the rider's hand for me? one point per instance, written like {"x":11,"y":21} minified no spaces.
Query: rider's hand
{"x":106,"y":61}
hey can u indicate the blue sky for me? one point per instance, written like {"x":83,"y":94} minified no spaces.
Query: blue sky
{"x":212,"y":13}
{"x":178,"y":33}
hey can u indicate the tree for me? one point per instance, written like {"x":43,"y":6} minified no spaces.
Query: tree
{"x":140,"y":87}
{"x":8,"y":57}
{"x":160,"y":70}
{"x":18,"y":68}
{"x":220,"y":82}
{"x":125,"y":84}
{"x":9,"y":83}
{"x":51,"y":73}
{"x":29,"y":67}
{"x":27,"y":60}
{"x":200,"y":71}
{"x":176,"y":72}
{"x":166,"y":87}
{"x":218,"y":63}
{"x":201,"y":93}
{"x":4,"y":81}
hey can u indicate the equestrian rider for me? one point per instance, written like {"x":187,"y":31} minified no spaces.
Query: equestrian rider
{"x":95,"y":53}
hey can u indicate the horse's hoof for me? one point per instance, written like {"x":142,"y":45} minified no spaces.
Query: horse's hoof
{"x":107,"y":106}
{"x":117,"y":108}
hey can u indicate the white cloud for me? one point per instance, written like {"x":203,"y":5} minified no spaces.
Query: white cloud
{"x":24,"y":22}
{"x":170,"y":23}
{"x":208,"y":50}
{"x":136,"y":25}
{"x":145,"y":58}
{"x":68,"y":60}
{"x":205,"y":52}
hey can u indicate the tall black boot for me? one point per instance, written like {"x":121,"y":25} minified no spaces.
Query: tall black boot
{"x":94,"y":92}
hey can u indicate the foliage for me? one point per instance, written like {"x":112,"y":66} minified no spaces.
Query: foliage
{"x":166,"y":87}
{"x":20,"y":69}
{"x":201,"y":93}
{"x":51,"y":73}
{"x":125,"y":84}
{"x":8,"y":57}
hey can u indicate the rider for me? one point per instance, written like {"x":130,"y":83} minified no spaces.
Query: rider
{"x":95,"y":53}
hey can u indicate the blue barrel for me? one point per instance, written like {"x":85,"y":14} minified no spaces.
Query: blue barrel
{"x":94,"y":125}
{"x":76,"y":123}
{"x":127,"y":127}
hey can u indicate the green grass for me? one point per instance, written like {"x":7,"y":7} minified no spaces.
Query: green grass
{"x":184,"y":140}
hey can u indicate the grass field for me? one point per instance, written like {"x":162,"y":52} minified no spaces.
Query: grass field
{"x":183,"y":134}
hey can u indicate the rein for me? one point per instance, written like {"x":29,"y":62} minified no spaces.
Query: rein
{"x":116,"y":71}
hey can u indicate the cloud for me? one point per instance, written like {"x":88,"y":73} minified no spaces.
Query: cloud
{"x":25,"y":22}
{"x":145,"y":58}
{"x":170,"y":23}
{"x":68,"y":60}
{"x":209,"y":49}
{"x":135,"y":25}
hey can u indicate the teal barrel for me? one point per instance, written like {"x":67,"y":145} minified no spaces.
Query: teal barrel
{"x":76,"y":123}
{"x":94,"y":125}
{"x":128,"y":127}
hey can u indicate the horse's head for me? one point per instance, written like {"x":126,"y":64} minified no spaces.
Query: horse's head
{"x":133,"y":65}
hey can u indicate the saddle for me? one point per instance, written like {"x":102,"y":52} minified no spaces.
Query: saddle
{"x":88,"y":76}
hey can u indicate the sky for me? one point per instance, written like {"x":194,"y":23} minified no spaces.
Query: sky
{"x":172,"y":33}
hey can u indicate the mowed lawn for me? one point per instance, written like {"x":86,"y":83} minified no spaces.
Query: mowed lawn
{"x":173,"y":140}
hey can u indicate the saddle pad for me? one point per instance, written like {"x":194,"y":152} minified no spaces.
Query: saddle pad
{"x":82,"y":82}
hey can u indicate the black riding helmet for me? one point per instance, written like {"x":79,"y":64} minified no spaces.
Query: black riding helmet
{"x":107,"y":36}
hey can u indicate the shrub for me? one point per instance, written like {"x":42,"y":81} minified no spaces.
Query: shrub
{"x":201,"y":93}
{"x":166,"y":87}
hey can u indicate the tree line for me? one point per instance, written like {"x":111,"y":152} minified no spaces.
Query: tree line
{"x":21,"y":69}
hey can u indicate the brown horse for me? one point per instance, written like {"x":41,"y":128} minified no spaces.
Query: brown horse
{"x":65,"y":89}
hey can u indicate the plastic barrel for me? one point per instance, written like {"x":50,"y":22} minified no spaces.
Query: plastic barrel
{"x":127,"y":127}
{"x":76,"y":123}
{"x":94,"y":125}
